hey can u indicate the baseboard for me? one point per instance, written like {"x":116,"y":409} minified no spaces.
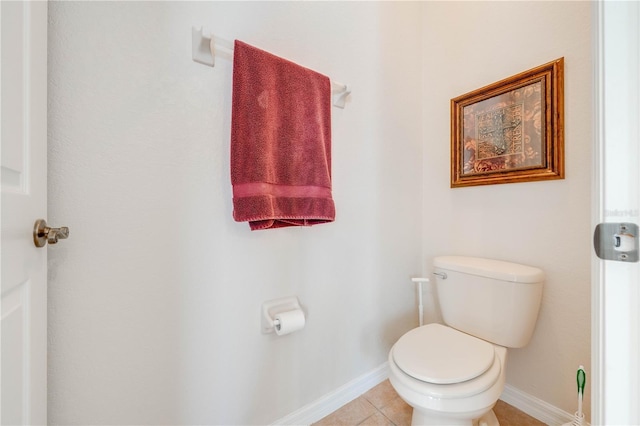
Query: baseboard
{"x":543,"y":411}
{"x":329,"y":403}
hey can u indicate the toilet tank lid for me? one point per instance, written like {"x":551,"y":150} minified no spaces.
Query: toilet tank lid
{"x":490,"y":268}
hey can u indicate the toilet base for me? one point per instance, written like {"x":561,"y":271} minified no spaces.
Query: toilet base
{"x":420,"y":418}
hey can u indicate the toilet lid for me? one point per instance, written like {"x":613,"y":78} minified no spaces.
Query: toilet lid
{"x":438,"y":354}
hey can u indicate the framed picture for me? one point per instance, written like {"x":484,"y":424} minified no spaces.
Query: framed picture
{"x":510,"y":131}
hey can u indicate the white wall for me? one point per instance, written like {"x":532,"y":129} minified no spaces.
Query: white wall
{"x":468,"y":45}
{"x":155,"y":298}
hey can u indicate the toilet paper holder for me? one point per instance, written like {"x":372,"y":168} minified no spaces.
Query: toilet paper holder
{"x":274,"y":307}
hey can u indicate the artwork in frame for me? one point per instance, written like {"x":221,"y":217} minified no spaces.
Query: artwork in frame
{"x":510,"y":131}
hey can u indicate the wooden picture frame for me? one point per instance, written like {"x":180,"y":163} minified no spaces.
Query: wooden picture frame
{"x":510,"y":131}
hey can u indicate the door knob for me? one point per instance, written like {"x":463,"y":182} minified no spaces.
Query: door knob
{"x":43,"y":233}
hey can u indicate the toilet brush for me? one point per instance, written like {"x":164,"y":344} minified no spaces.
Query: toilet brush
{"x":578,"y":417}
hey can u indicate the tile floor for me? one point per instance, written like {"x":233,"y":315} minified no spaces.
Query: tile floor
{"x":382,"y":406}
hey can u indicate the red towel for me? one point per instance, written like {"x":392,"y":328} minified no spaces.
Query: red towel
{"x":280,"y":142}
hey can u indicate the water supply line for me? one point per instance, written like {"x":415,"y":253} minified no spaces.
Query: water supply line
{"x":419,"y":281}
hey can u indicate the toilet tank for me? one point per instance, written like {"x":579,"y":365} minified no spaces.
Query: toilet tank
{"x":494,"y":300}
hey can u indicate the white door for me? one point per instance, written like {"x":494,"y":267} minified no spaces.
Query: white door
{"x":23,"y":123}
{"x":616,"y":325}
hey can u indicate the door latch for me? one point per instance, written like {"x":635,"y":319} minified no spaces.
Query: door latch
{"x":43,"y":233}
{"x":616,"y":241}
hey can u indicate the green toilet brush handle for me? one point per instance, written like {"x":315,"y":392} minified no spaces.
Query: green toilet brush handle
{"x":582,"y":379}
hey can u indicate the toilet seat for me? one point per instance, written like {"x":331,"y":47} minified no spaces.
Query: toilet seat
{"x":438,"y":354}
{"x":442,"y":362}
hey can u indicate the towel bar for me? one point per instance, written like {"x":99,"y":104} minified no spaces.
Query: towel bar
{"x":205,"y":48}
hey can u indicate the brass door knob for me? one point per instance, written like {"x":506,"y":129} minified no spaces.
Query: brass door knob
{"x":43,"y":234}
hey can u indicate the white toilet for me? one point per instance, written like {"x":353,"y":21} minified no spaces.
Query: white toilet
{"x":453,"y":374}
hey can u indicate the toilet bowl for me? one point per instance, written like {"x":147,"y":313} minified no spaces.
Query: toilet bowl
{"x":449,"y":377}
{"x":454,"y":373}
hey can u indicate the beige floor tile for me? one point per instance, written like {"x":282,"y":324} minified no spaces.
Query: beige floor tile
{"x":510,"y":416}
{"x":398,"y":411}
{"x":382,"y":406}
{"x":381,"y":394}
{"x":378,"y":419}
{"x":351,"y":414}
